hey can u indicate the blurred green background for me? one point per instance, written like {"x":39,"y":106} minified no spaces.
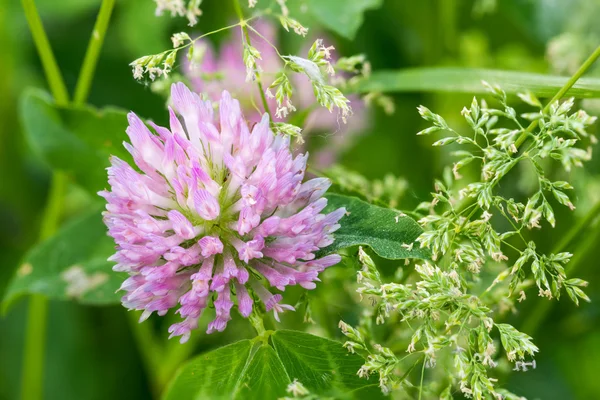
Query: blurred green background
{"x":91,"y":352}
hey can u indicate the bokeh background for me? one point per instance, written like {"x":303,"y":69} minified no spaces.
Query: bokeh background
{"x":91,"y":352}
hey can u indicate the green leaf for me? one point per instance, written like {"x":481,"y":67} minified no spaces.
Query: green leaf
{"x":254,"y":369}
{"x":265,"y":376}
{"x":77,"y":141}
{"x":383,"y":229}
{"x":343,"y":17}
{"x":323,"y":366}
{"x":468,"y":80}
{"x":70,"y":265}
{"x":214,"y":375}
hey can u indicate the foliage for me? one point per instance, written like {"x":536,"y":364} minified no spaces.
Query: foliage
{"x":440,"y":295}
{"x":256,"y":369}
{"x":390,"y":233}
{"x":77,"y":141}
{"x":449,"y":307}
{"x":343,"y":17}
{"x":468,"y":80}
{"x":71,"y":265}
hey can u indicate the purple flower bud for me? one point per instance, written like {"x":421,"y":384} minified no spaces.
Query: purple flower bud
{"x":181,"y":225}
{"x":244,"y":300}
{"x":210,"y":245}
{"x":206,"y":205}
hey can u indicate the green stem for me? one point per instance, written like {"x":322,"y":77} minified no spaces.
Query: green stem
{"x":53,"y":209}
{"x":32,"y":376}
{"x":578,"y":74}
{"x":462,"y":225}
{"x":149,"y":348}
{"x":448,"y":21}
{"x":53,"y":75}
{"x":584,"y":67}
{"x":93,"y":50}
{"x":32,"y":382}
{"x":422,"y":378}
{"x":244,"y":26}
{"x":539,"y":314}
{"x":256,"y":319}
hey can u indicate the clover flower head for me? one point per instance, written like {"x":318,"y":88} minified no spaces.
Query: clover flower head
{"x":215,"y":212}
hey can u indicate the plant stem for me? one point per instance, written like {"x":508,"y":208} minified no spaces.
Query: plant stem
{"x":584,"y":67}
{"x":256,"y":319}
{"x":32,"y":382}
{"x":244,"y":27}
{"x":447,"y":22}
{"x":422,"y":377}
{"x":150,"y":350}
{"x":53,"y":209}
{"x":462,"y":225}
{"x":93,"y":50}
{"x":53,"y":75}
{"x":539,"y":314}
{"x":32,"y":376}
{"x":537,"y":317}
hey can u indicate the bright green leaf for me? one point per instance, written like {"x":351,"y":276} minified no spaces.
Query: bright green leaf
{"x":70,"y":265}
{"x":77,"y":141}
{"x":388,"y":232}
{"x":264,"y":377}
{"x":242,"y":370}
{"x":257,"y":370}
{"x":214,"y":375}
{"x":323,"y":366}
{"x":468,"y":80}
{"x":343,"y":17}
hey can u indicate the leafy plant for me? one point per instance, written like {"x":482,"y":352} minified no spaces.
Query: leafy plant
{"x":449,"y":305}
{"x":216,"y":211}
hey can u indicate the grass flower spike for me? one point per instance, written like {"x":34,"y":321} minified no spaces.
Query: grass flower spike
{"x":215,"y":213}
